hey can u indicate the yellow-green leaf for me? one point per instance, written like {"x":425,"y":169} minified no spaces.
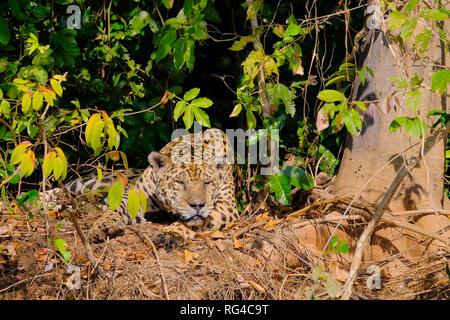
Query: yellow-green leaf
{"x":48,"y":97}
{"x":56,"y":87}
{"x":5,"y":108}
{"x":143,"y":200}
{"x":90,"y":128}
{"x":18,"y":151}
{"x":133,"y":203}
{"x":115,"y":195}
{"x":26,"y":103}
{"x":124,"y":159}
{"x":27,"y":163}
{"x":61,"y":164}
{"x":37,"y":101}
{"x":49,"y":163}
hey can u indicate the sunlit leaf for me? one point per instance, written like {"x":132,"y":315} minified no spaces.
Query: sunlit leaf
{"x":280,"y":184}
{"x":201,"y":117}
{"x":60,"y":245}
{"x":237,"y":109}
{"x":331,"y":95}
{"x":115,"y":194}
{"x":413,"y":100}
{"x":133,"y":203}
{"x":440,"y":80}
{"x":56,"y":87}
{"x":191,"y":94}
{"x":18,"y":151}
{"x":49,"y":163}
{"x":37,"y":101}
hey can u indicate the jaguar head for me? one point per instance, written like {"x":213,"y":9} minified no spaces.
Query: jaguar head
{"x":189,"y":191}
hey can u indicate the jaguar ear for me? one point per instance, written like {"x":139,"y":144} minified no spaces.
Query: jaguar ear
{"x":158,"y":160}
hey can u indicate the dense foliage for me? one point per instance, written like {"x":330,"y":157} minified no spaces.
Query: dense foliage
{"x":98,"y":84}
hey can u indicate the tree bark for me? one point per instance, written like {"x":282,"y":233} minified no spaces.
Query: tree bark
{"x":373,"y":158}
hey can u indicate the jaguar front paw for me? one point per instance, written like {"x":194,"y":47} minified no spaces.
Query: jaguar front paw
{"x":108,"y":225}
{"x":169,"y":239}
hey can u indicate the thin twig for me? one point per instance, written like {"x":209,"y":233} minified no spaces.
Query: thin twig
{"x":365,"y":236}
{"x":146,"y":240}
{"x":83,"y":238}
{"x":24,"y":280}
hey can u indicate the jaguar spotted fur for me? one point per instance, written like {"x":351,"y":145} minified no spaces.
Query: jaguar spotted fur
{"x":191,"y":177}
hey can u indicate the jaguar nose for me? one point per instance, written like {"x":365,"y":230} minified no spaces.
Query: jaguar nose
{"x":197,"y":205}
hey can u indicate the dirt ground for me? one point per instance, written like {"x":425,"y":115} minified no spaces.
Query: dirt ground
{"x":252,"y":259}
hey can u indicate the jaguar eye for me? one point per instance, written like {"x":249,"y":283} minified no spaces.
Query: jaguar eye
{"x":180,"y":183}
{"x":207,"y":183}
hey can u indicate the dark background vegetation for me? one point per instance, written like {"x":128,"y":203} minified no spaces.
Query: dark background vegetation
{"x":94,"y":57}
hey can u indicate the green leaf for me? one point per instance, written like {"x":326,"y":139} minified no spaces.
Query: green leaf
{"x":180,"y":107}
{"x":188,"y":118}
{"x":99,"y":175}
{"x":240,"y":44}
{"x":188,"y":4}
{"x":396,"y":20}
{"x":331,"y":95}
{"x":5,"y":108}
{"x":191,"y":94}
{"x":414,"y":127}
{"x":402,"y":83}
{"x":60,"y":245}
{"x":413,"y":100}
{"x":60,"y":166}
{"x":408,"y":28}
{"x":202,"y":103}
{"x":422,"y":41}
{"x":37,"y":100}
{"x":56,"y":87}
{"x":179,"y":49}
{"x":298,"y":177}
{"x":40,"y":12}
{"x":336,"y":79}
{"x":237,"y":109}
{"x":292,"y":30}
{"x":143,"y":200}
{"x":18,"y":151}
{"x":343,"y":247}
{"x":281,"y":186}
{"x":115,"y":194}
{"x":434,"y":14}
{"x":397,"y":123}
{"x":165,"y":44}
{"x":288,"y":99}
{"x":49,"y":163}
{"x":133,"y":203}
{"x":351,"y":123}
{"x":440,"y":80}
{"x":201,"y":117}
{"x":4,"y":32}
{"x":361,"y":105}
{"x":333,"y":242}
{"x":251,"y":120}
{"x":27,"y":163}
{"x":48,"y":97}
{"x":411,"y":5}
{"x":167,"y":3}
{"x":189,"y":56}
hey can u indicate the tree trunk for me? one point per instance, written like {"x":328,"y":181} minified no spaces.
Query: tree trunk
{"x":372,"y":159}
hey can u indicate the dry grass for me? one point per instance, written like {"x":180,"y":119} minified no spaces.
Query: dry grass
{"x":264,"y":263}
